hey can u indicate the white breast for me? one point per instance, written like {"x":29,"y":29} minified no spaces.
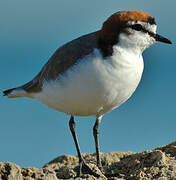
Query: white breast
{"x":95,"y":85}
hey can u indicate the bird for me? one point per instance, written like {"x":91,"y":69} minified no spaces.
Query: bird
{"x":95,"y":73}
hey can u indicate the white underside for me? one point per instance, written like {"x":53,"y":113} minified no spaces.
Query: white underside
{"x":95,"y":85}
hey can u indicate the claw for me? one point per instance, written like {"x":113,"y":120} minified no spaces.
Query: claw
{"x":101,"y":169}
{"x":85,"y":169}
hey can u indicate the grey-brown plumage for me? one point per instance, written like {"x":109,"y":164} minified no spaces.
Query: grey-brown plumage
{"x":70,"y":53}
{"x":64,"y":57}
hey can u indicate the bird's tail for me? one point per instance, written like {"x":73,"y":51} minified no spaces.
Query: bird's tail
{"x":15,"y":92}
{"x":26,"y":90}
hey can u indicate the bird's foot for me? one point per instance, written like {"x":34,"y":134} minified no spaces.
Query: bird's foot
{"x":88,"y":168}
{"x":101,"y":169}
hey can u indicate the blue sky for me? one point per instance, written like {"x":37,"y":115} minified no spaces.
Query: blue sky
{"x":30,"y":31}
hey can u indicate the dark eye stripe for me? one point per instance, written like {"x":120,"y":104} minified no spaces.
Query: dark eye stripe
{"x":137,"y":27}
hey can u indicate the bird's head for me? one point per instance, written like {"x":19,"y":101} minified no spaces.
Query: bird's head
{"x":130,"y":29}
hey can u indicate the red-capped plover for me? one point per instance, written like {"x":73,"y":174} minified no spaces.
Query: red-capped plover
{"x":95,"y":73}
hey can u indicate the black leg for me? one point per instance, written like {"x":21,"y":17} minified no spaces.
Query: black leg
{"x":82,"y":164}
{"x":72,"y":129}
{"x":95,"y":133}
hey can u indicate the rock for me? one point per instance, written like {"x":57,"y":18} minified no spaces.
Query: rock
{"x":159,"y":164}
{"x":10,"y":171}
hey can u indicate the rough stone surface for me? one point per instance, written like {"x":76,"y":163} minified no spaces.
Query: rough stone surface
{"x":159,"y":164}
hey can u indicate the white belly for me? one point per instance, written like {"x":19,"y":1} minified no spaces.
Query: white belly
{"x":94,"y":86}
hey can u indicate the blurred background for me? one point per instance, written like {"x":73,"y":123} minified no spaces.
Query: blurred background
{"x":30,"y":31}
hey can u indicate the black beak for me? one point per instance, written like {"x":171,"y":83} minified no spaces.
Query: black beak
{"x":161,"y":39}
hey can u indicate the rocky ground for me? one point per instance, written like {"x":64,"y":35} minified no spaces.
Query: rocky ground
{"x":159,"y":164}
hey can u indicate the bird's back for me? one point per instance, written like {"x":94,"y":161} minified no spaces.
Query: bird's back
{"x":68,"y":55}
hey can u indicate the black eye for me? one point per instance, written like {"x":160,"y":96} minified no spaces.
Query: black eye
{"x":137,"y":27}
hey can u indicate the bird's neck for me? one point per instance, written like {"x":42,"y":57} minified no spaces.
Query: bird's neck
{"x":132,"y":44}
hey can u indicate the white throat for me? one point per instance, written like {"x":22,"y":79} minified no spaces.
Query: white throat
{"x":134,"y":44}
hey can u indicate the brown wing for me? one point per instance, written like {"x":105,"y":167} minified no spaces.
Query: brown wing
{"x":62,"y":60}
{"x":70,"y":53}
